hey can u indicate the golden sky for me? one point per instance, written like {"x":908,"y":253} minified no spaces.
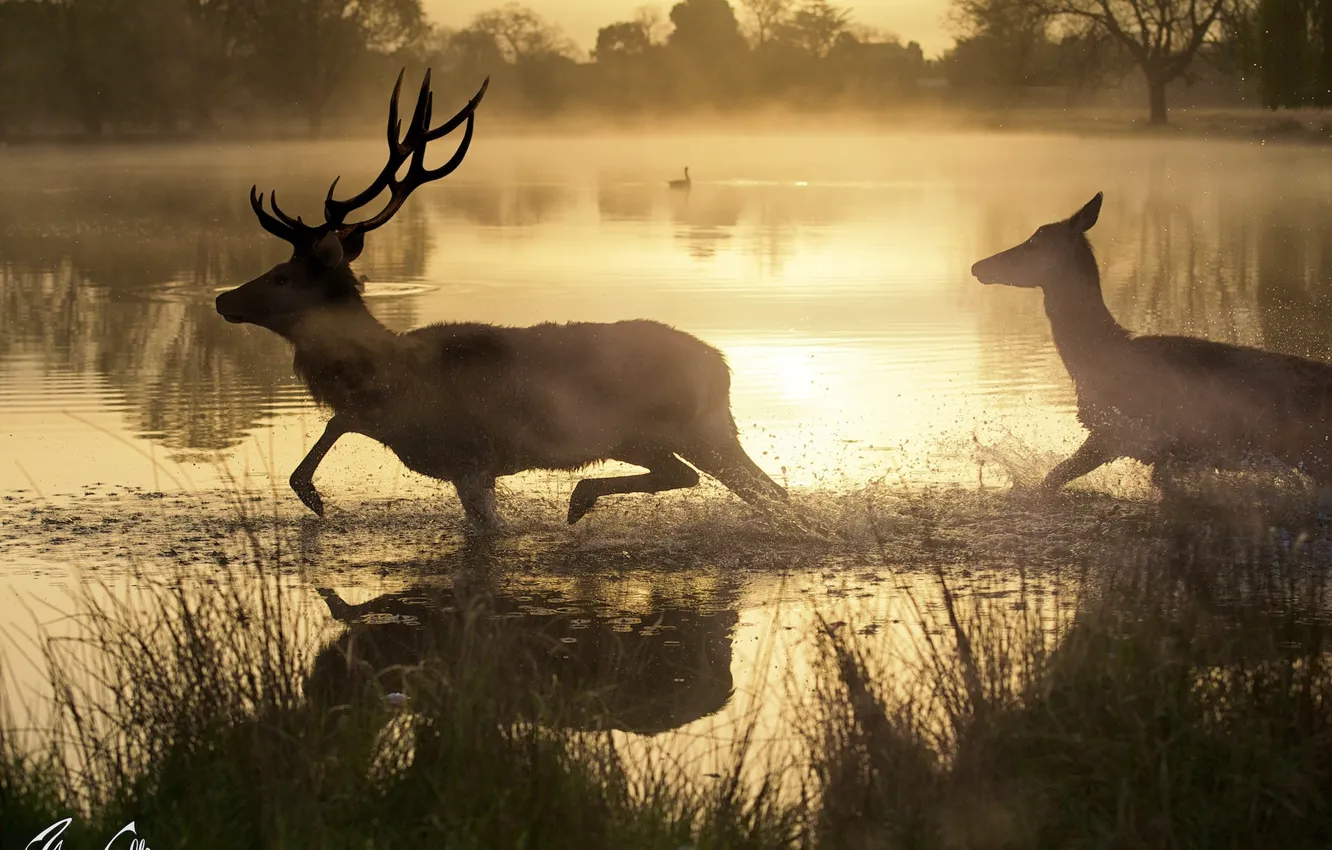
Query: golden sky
{"x":912,"y":20}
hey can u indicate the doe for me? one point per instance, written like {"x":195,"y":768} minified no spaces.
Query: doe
{"x":467,"y":403}
{"x":1172,"y":402}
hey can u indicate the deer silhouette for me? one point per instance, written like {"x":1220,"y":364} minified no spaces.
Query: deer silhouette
{"x":468,"y":403}
{"x":648,"y":684}
{"x":1172,"y":402}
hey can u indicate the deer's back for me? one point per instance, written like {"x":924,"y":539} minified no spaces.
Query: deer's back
{"x":1173,"y":390}
{"x":554,"y":396}
{"x":632,"y":359}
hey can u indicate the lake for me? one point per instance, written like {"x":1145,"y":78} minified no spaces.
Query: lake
{"x":832,"y":269}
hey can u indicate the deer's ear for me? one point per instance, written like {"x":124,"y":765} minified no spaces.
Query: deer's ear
{"x":328,"y":251}
{"x":1085,"y":218}
{"x":353,"y":245}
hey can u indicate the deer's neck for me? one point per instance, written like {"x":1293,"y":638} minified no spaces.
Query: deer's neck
{"x":345,"y":357}
{"x":1085,"y":333}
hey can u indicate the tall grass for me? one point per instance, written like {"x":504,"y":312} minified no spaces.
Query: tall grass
{"x":190,"y":716}
{"x":1187,"y":703}
{"x":1182,"y":698}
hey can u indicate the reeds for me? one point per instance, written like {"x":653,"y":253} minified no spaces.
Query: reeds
{"x":190,"y":713}
{"x":1180,"y":698}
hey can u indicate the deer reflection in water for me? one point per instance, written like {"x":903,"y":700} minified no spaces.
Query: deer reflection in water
{"x":469,"y":403}
{"x":647,"y":673}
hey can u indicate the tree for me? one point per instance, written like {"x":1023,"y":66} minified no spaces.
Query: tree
{"x":522,"y":34}
{"x":1000,"y":38}
{"x":1161,"y":36}
{"x":305,"y":50}
{"x":627,"y":38}
{"x":765,"y":16}
{"x":815,"y":27}
{"x":216,"y":35}
{"x":1289,"y":44}
{"x":537,"y":54}
{"x":1282,"y":31}
{"x":707,"y":30}
{"x":650,"y":19}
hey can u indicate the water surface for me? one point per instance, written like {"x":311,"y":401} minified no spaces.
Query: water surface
{"x":831,"y":270}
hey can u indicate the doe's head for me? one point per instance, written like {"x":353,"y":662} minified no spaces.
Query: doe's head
{"x":1053,"y":254}
{"x":319,"y":274}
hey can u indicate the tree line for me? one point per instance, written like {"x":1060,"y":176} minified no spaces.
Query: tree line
{"x":110,"y":66}
{"x":102,"y":66}
{"x":1277,"y":51}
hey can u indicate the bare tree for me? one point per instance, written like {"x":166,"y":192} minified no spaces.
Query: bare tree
{"x":522,"y":34}
{"x":652,"y":22}
{"x":1162,"y":36}
{"x":765,"y":16}
{"x":815,"y":27}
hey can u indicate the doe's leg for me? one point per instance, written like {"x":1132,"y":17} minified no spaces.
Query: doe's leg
{"x":1093,"y":453}
{"x":665,"y":472}
{"x":302,"y":478}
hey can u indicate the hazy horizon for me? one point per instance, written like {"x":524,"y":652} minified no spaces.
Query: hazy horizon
{"x":920,"y":21}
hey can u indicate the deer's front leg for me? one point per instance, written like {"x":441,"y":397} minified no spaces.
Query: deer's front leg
{"x":1090,"y":455}
{"x":476,"y":491}
{"x":302,"y":479}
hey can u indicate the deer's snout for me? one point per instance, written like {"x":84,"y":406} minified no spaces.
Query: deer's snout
{"x":228,"y":308}
{"x":985,"y":271}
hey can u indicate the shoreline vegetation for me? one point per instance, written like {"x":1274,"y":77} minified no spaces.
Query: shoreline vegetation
{"x":96,"y":65}
{"x":1263,"y":126}
{"x":1171,"y":691}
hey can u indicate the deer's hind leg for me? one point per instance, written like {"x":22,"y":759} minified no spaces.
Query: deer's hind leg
{"x":477,"y":493}
{"x":1172,"y":468}
{"x":665,"y":471}
{"x":728,"y":462}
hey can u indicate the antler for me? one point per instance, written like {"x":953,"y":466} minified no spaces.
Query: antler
{"x":401,"y":147}
{"x":284,"y":226}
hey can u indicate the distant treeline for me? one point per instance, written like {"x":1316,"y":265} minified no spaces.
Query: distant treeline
{"x":101,"y":66}
{"x":115,"y":66}
{"x":1280,"y":50}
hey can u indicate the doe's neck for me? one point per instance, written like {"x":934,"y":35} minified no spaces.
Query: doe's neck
{"x":1083,"y":328}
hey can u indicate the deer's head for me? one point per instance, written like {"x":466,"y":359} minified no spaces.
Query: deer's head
{"x":1056,"y":254}
{"x":319,"y":274}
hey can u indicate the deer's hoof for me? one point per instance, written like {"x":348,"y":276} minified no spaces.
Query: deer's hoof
{"x":477,"y":527}
{"x":580,"y":502}
{"x":309,"y":497}
{"x":1048,"y":488}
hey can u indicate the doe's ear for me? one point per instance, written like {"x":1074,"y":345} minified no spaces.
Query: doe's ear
{"x":1085,"y":218}
{"x":328,"y":251}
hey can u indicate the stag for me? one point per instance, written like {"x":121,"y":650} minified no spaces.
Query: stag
{"x":1172,"y":402}
{"x":468,"y":403}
